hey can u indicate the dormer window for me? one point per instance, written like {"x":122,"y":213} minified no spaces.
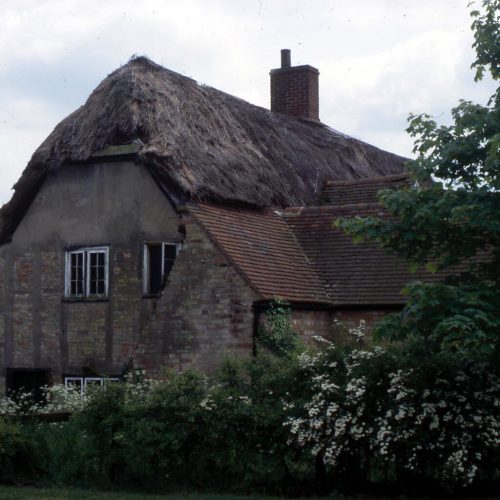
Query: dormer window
{"x":159,"y":259}
{"x":87,"y":272}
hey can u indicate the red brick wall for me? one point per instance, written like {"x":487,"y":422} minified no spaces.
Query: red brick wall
{"x":331,"y":324}
{"x":205,"y":311}
{"x":311,"y":323}
{"x":295,"y":91}
{"x":351,"y":318}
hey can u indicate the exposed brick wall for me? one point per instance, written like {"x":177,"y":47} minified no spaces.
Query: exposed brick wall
{"x":352,"y":317}
{"x":51,"y":308}
{"x":22,"y":312}
{"x":204,"y":312}
{"x":126,"y":305}
{"x":295,"y":91}
{"x":309,"y":323}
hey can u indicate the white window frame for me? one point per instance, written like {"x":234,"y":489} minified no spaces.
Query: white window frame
{"x":86,"y":251}
{"x":67,"y":381}
{"x":145,"y":262}
{"x":84,"y":381}
{"x":92,"y":380}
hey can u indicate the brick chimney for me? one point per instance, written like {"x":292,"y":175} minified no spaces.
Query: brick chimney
{"x":294,"y":89}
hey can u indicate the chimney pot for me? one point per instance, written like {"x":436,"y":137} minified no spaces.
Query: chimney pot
{"x":286,"y":58}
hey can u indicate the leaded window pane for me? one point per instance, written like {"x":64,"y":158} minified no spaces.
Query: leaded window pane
{"x":97,"y":276}
{"x":77,"y":281}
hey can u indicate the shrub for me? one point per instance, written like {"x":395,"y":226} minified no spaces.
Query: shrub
{"x":399,"y":413}
{"x":15,"y":451}
{"x":288,"y":421}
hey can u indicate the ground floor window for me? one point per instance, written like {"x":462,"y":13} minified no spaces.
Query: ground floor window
{"x":81,"y":383}
{"x":28,"y":380}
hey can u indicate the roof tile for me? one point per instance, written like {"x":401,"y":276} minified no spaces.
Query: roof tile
{"x":261,"y":245}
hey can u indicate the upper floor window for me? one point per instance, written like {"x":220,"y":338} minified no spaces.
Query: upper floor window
{"x":87,"y":272}
{"x":159,"y":259}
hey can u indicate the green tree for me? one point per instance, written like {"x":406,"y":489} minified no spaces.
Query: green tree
{"x":453,"y":223}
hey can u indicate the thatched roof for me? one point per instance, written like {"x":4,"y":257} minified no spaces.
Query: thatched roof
{"x":200,"y":143}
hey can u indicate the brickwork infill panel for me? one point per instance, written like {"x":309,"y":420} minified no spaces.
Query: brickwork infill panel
{"x":22,"y":311}
{"x":52,"y":279}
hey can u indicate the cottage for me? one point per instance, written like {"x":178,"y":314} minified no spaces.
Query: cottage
{"x":155,"y":223}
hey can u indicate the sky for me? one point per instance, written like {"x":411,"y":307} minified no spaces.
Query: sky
{"x":379,"y":60}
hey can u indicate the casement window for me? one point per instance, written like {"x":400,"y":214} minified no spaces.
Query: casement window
{"x":159,"y":259}
{"x":80,"y":384}
{"x":87,"y":272}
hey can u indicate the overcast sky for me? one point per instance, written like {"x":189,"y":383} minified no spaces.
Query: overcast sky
{"x":378,"y":59}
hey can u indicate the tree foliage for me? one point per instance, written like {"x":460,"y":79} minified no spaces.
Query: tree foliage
{"x":450,"y":219}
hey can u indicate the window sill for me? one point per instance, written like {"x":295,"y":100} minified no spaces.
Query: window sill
{"x":152,"y":296}
{"x":85,"y":299}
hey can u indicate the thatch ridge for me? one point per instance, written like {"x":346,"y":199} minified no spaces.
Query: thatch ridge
{"x":371,"y":180}
{"x":200,"y":143}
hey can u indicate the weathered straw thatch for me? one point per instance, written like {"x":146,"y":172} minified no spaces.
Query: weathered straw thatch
{"x":200,"y":143}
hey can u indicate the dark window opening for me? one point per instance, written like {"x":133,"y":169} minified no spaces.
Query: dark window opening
{"x":28,"y":380}
{"x":158,"y":263}
{"x":155,"y":268}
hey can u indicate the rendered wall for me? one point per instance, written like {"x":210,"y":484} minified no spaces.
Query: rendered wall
{"x":116,"y":204}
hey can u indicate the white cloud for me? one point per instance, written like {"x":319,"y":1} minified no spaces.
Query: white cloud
{"x":378,"y":59}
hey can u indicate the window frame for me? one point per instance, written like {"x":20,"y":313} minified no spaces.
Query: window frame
{"x":145,"y":264}
{"x":86,"y":252}
{"x":103,"y":381}
{"x":74,"y":379}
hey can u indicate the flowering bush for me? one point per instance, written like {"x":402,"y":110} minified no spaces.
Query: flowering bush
{"x":399,"y":409}
{"x":56,"y":399}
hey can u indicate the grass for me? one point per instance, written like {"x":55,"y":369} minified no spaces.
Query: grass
{"x":27,"y":493}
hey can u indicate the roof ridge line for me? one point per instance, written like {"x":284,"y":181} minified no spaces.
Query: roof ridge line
{"x":367,"y":180}
{"x":291,"y":211}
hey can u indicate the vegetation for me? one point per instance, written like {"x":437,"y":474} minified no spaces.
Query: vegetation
{"x":303,"y":421}
{"x":453,"y":222}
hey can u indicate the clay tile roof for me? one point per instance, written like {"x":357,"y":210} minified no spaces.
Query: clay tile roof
{"x":297,"y":254}
{"x":264,"y":250}
{"x":353,"y":274}
{"x":360,"y":190}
